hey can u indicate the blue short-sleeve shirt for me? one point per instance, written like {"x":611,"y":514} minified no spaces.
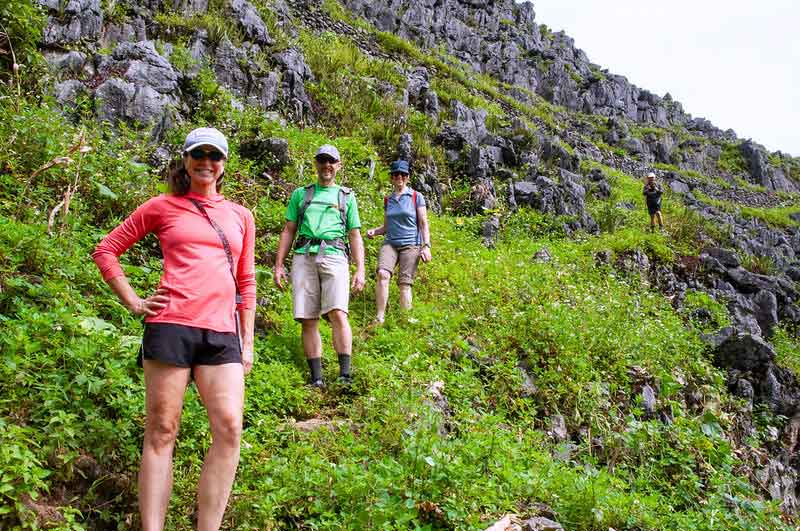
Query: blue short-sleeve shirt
{"x":401,"y":218}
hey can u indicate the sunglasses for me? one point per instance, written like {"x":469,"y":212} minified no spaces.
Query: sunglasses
{"x":322,"y":159}
{"x":399,"y":174}
{"x":200,"y":154}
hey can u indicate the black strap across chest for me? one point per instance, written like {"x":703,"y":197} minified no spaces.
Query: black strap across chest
{"x":225,"y":244}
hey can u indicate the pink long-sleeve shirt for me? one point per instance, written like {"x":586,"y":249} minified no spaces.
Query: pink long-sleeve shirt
{"x":197,"y":275}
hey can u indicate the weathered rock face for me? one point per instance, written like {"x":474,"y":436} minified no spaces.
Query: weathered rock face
{"x":79,"y":20}
{"x":764,"y":174}
{"x":565,"y":198}
{"x":501,"y":38}
{"x":145,"y":91}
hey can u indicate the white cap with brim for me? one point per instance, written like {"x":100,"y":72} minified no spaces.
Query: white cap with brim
{"x":651,"y":174}
{"x":329,"y":150}
{"x":206,"y":136}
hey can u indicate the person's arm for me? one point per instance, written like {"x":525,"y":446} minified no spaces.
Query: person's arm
{"x":357,"y":252}
{"x":246,"y":280}
{"x":247,"y":320}
{"x":138,"y":306}
{"x":106,"y":256}
{"x":284,"y":244}
{"x":424,"y":228}
{"x":377,"y":231}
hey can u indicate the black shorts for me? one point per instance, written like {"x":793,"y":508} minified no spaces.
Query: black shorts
{"x":187,"y":346}
{"x":653,"y":209}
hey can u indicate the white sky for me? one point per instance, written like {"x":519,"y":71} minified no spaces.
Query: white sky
{"x":734,"y":62}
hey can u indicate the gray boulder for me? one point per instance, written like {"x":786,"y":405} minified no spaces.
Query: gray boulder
{"x":248,"y":18}
{"x":129,"y":31}
{"x":726,"y":257}
{"x":489,"y":231}
{"x":781,"y":483}
{"x":295,"y":73}
{"x":566,"y":198}
{"x":67,"y":92}
{"x":273,"y":151}
{"x":649,"y":401}
{"x":113,"y":99}
{"x":144,"y":66}
{"x":540,"y":523}
{"x":420,"y":94}
{"x":761,"y":172}
{"x":72,"y":64}
{"x":744,"y":352}
{"x":80,"y":20}
{"x":766,"y":311}
{"x":228,"y":69}
{"x":679,"y":187}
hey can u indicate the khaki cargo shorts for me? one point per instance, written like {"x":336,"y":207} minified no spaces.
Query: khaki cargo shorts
{"x":407,"y":257}
{"x":318,"y":288}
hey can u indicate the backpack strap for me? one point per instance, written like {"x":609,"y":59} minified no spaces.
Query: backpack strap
{"x":307,"y":198}
{"x":229,"y":255}
{"x":385,"y":201}
{"x":343,"y":193}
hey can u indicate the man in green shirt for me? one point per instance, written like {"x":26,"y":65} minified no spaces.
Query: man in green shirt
{"x":324,"y":216}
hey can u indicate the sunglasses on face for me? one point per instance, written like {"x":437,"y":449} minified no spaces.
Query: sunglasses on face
{"x":200,"y":154}
{"x":399,"y":174}
{"x":324,"y":159}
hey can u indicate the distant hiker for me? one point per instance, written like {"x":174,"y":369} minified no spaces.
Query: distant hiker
{"x":324,"y":217}
{"x":405,"y":224}
{"x":652,"y":193}
{"x":208,"y":287}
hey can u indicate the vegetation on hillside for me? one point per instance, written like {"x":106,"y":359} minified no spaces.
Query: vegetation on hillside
{"x":453,"y":418}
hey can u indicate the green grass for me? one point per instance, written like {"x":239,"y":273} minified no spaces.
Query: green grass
{"x":731,"y":160}
{"x":787,"y":348}
{"x":776,"y":217}
{"x":69,"y":387}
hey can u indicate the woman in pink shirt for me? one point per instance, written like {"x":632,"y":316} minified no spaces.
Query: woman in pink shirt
{"x":207,"y":289}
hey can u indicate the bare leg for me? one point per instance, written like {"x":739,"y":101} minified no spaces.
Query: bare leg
{"x":652,"y":222}
{"x":342,"y":335}
{"x":660,"y":219}
{"x":381,"y":294}
{"x":405,"y":296}
{"x":221,"y":388}
{"x":165,"y":386}
{"x":312,"y":342}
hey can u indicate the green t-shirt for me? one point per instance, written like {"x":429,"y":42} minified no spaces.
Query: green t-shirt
{"x":322,"y":219}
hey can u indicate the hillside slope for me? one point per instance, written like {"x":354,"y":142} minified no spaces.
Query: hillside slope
{"x":560,"y":361}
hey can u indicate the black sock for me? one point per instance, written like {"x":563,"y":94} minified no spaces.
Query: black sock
{"x":315,"y":364}
{"x":344,"y":364}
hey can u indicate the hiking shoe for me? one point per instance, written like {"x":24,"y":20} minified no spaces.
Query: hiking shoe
{"x":345,"y":380}
{"x":319,"y":384}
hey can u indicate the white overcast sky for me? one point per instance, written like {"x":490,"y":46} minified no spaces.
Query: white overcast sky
{"x":734,"y":62}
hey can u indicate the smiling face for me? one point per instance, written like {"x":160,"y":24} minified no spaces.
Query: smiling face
{"x":327,"y":167}
{"x":399,"y":181}
{"x":203,"y":171}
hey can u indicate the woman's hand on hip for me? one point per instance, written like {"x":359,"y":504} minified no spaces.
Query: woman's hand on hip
{"x":153,"y":304}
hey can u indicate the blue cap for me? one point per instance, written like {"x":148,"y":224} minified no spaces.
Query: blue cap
{"x":399,"y":166}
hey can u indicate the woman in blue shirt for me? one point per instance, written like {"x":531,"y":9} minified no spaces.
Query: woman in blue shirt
{"x":407,"y":239}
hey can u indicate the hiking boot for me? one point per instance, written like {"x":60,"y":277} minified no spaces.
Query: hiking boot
{"x":319,"y":384}
{"x":345,"y":380}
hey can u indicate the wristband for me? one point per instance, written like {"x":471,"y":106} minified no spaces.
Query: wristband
{"x":428,"y":245}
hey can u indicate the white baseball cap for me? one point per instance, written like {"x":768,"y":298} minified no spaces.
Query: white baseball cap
{"x":329,"y":150}
{"x":206,"y":136}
